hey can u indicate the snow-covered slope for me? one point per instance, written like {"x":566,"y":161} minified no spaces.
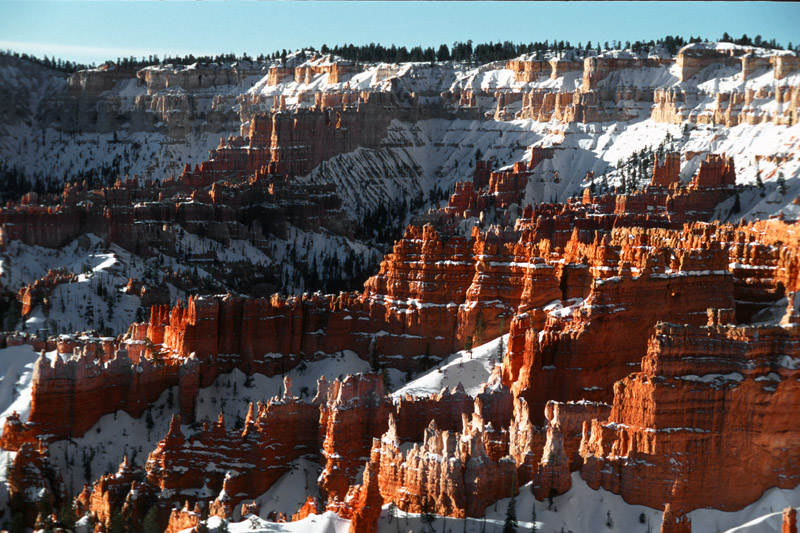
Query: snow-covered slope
{"x":328,"y":522}
{"x":434,"y":154}
{"x":470,"y":368}
{"x":231,"y":393}
{"x":24,"y":87}
{"x":101,"y":449}
{"x":94,"y":300}
{"x":56,"y":157}
{"x":16,"y":374}
{"x":580,"y":510}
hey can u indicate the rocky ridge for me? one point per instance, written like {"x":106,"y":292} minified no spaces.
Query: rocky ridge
{"x":598,"y":376}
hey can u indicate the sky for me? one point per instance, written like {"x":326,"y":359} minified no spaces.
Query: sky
{"x":92,"y":31}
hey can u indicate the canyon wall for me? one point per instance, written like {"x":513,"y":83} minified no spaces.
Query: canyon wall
{"x":705,"y":423}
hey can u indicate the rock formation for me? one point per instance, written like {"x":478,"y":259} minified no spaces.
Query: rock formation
{"x":789,"y":524}
{"x":622,"y":360}
{"x":34,"y":486}
{"x":449,"y":473}
{"x":674,"y":405}
{"x":69,"y":397}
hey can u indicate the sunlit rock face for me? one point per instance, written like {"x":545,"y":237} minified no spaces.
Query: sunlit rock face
{"x":652,"y":328}
{"x":673,"y":406}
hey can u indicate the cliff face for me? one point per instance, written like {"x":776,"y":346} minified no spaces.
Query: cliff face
{"x":419,"y":287}
{"x":546,"y":454}
{"x":355,"y":411}
{"x":581,"y":350}
{"x":273,"y":435}
{"x":170,"y":99}
{"x":184,"y":518}
{"x":675,"y":405}
{"x":623,"y":86}
{"x":300,"y":142}
{"x":578,"y":285}
{"x":449,"y":473}
{"x":294,"y":142}
{"x":121,"y":492}
{"x":365,"y":499}
{"x":239,"y":465}
{"x":220,"y":210}
{"x":675,"y":266}
{"x":455,"y":470}
{"x":413,"y":414}
{"x":434,"y":295}
{"x":789,"y":524}
{"x":69,"y":397}
{"x":33,"y":484}
{"x":338,"y":426}
{"x":176,"y":98}
{"x":676,"y":105}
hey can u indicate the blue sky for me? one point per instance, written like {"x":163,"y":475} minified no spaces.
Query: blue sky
{"x":91,"y":31}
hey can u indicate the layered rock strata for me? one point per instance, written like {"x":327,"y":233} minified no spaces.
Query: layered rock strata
{"x":707,"y":421}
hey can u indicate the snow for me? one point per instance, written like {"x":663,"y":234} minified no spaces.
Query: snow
{"x":313,"y":248}
{"x":77,"y":306}
{"x":469,"y":369}
{"x":731,"y":48}
{"x":413,"y":159}
{"x":584,"y":510}
{"x":762,"y":516}
{"x":6,"y":459}
{"x":416,"y":158}
{"x":113,"y":436}
{"x":102,"y":447}
{"x":35,"y":82}
{"x":235,"y":250}
{"x":16,"y":374}
{"x":709,"y":378}
{"x":58,"y":156}
{"x":558,"y":309}
{"x":229,"y":394}
{"x":290,"y":492}
{"x":580,"y":510}
{"x":327,"y":522}
{"x":425,"y":79}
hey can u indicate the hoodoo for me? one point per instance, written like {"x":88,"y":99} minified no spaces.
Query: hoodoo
{"x":475,"y":286}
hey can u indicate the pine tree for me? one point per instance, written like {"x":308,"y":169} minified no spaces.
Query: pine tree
{"x":501,"y":350}
{"x":427,"y":516}
{"x":737,"y":205}
{"x":609,"y":520}
{"x":150,"y":522}
{"x":510,"y":525}
{"x":66,"y":516}
{"x":533,"y":511}
{"x":781,"y":184}
{"x":480,"y":328}
{"x":116,"y":523}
